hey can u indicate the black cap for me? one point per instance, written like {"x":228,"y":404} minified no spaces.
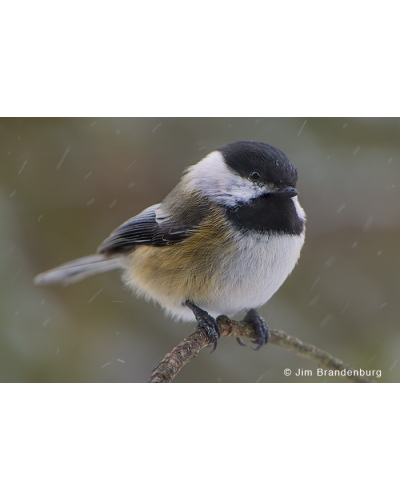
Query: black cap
{"x":246,"y":157}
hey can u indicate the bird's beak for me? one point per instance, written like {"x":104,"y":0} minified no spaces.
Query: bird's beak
{"x":287,"y":191}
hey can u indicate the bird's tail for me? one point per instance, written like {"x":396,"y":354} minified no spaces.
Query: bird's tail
{"x":78,"y":269}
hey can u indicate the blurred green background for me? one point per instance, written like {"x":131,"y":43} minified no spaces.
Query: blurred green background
{"x":65,"y":184}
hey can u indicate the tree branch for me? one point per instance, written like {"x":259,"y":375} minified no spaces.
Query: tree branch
{"x":188,"y":349}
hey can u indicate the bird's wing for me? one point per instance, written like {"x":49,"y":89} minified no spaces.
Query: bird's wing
{"x":153,"y":227}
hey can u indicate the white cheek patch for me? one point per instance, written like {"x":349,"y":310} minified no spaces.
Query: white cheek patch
{"x":212,"y":178}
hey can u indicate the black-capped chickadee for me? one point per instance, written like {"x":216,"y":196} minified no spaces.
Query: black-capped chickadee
{"x":224,"y":239}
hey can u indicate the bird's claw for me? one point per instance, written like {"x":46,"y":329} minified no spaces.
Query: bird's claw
{"x":259,"y":343}
{"x":240,"y":342}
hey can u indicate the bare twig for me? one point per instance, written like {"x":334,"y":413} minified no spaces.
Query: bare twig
{"x":188,"y":349}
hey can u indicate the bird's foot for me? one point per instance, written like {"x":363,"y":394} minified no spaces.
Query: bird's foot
{"x":260,"y":327}
{"x":207,"y":323}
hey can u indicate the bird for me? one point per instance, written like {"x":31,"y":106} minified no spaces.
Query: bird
{"x":221,"y":242}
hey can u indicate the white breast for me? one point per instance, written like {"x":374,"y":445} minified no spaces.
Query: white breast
{"x":256,"y":272}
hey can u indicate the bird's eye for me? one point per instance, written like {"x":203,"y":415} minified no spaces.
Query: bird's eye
{"x":255,"y":176}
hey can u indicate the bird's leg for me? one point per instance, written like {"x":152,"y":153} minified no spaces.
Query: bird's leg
{"x":207,"y":322}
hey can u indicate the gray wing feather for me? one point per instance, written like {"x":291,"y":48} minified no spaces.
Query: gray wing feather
{"x":150,"y":227}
